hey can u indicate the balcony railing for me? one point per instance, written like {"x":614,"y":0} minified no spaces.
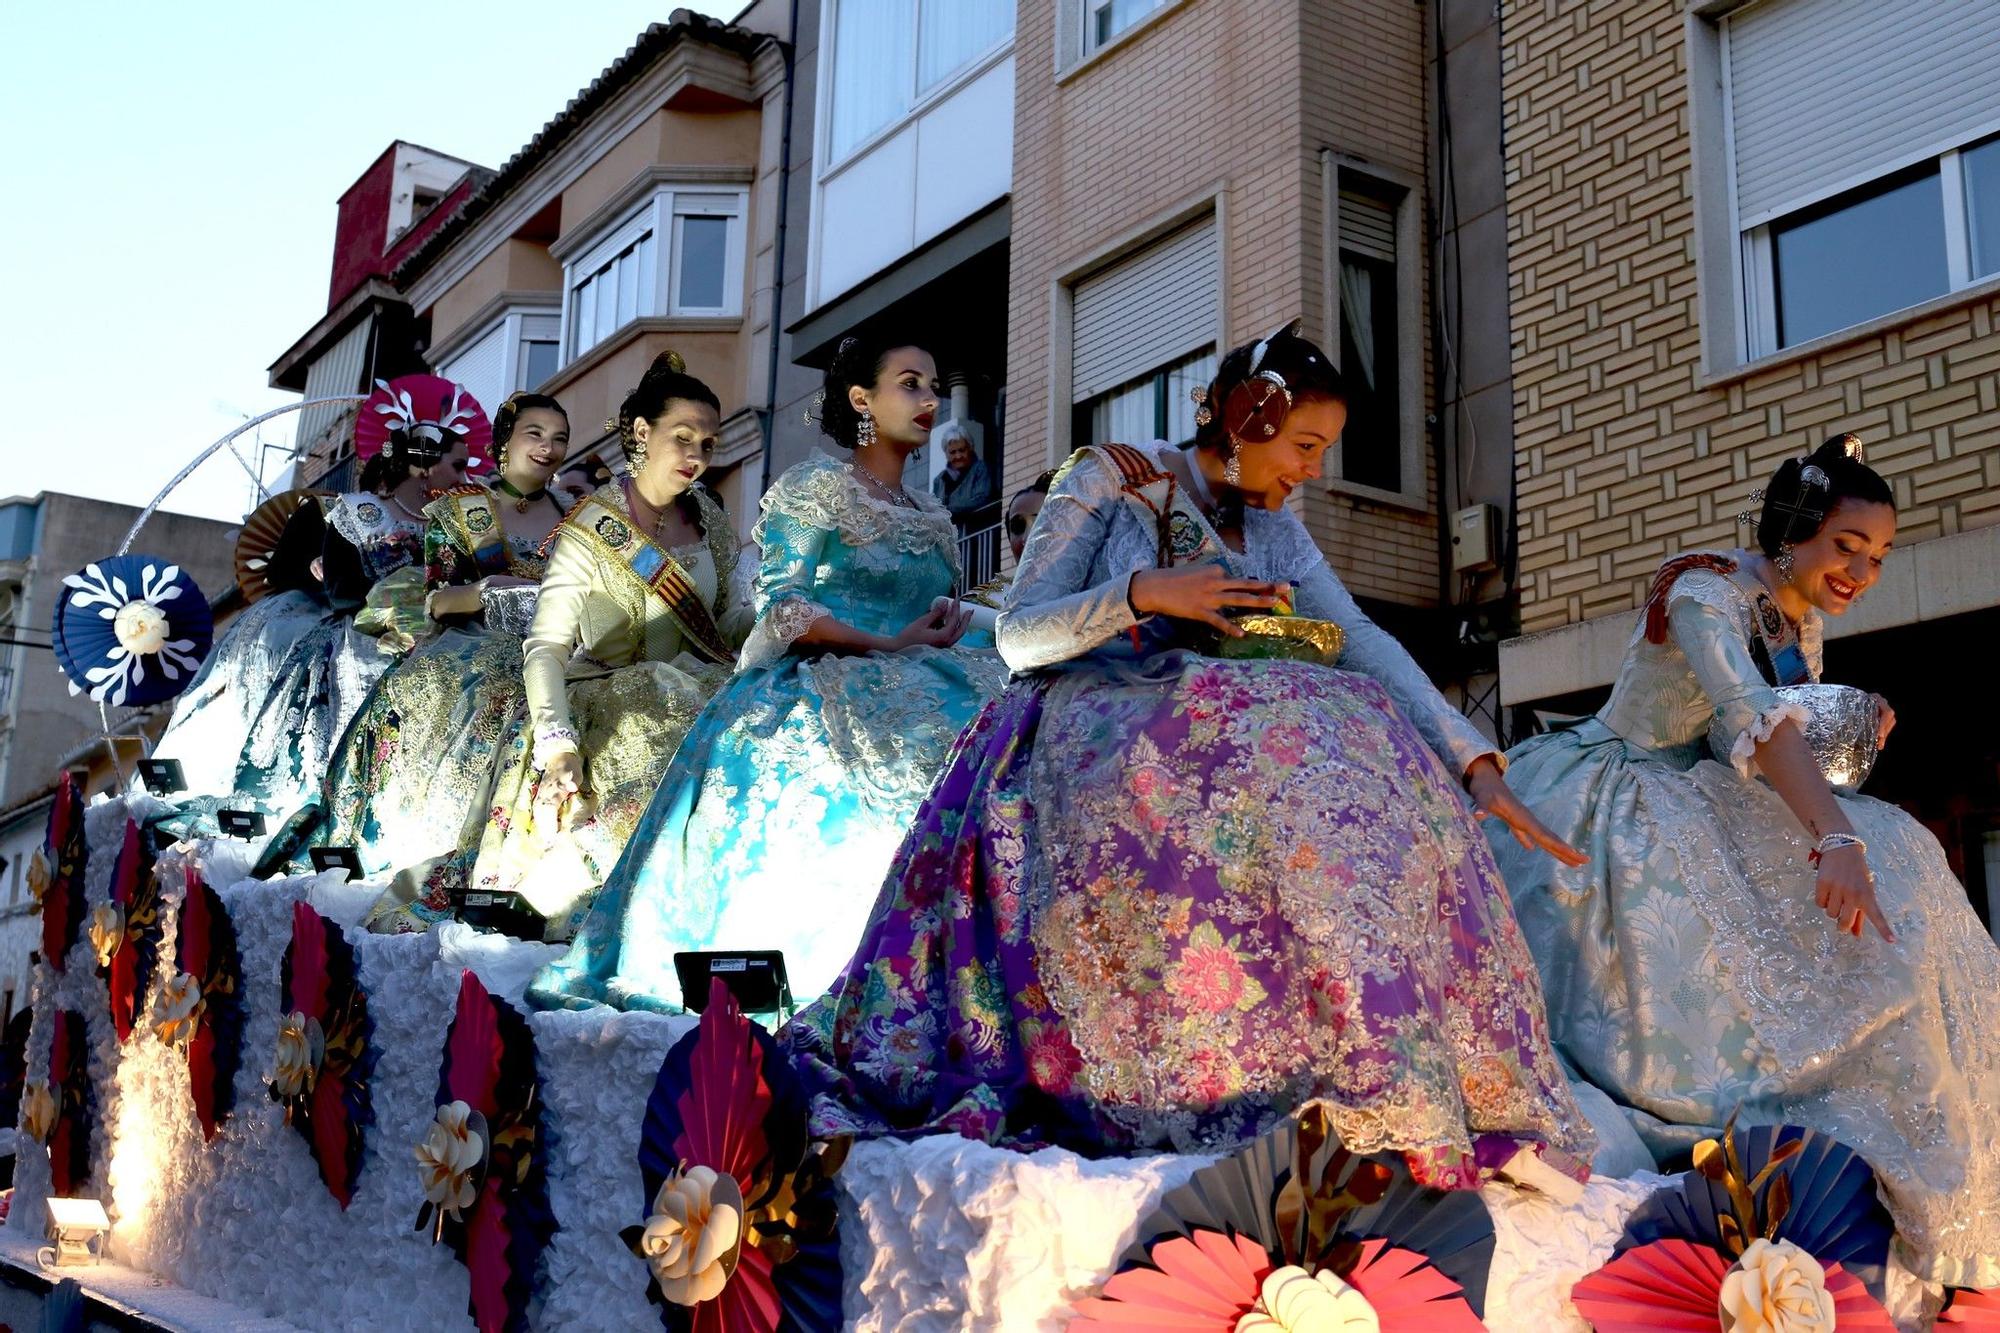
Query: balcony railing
{"x":979,"y":535}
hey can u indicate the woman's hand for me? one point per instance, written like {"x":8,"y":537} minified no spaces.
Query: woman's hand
{"x":940,"y":627}
{"x":1885,"y":720}
{"x":561,"y":789}
{"x":1202,"y":593}
{"x":1494,"y":799}
{"x":1847,"y":891}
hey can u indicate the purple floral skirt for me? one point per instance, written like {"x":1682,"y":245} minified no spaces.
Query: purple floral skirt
{"x":1169,"y":906}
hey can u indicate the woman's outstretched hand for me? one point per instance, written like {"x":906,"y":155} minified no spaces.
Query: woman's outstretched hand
{"x":1494,"y":799}
{"x":1885,"y":720}
{"x":1201,"y":592}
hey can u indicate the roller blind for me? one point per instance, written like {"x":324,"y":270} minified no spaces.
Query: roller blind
{"x":1367,"y":226}
{"x":1826,"y":93}
{"x":1145,"y":312}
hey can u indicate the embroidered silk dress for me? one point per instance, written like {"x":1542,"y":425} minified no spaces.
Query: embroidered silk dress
{"x":779,"y":815}
{"x":419,"y":760}
{"x":1689,"y":972}
{"x":628,"y":642}
{"x":1160,"y":898}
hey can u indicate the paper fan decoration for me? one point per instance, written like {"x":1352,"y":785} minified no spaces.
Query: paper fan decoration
{"x":1782,"y":1182}
{"x":423,"y":408}
{"x":1979,"y":1309}
{"x":201,"y":1005}
{"x":60,"y":1111}
{"x":483,"y":1160}
{"x":131,"y":630}
{"x":1669,"y":1285}
{"x":1359,"y":1227}
{"x":741,"y":1226}
{"x":259,"y":567}
{"x":324,"y":1057}
{"x":125,"y":930}
{"x":55,"y":876}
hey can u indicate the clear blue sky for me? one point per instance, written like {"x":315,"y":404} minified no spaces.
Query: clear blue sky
{"x":170,"y":177}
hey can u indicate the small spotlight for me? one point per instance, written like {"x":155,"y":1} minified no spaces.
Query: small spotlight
{"x":73,"y":1225}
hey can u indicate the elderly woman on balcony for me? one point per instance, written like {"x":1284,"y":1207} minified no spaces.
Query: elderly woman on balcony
{"x":965,"y":486}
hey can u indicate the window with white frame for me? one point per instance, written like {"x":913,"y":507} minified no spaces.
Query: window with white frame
{"x":1106,"y":19}
{"x":1376,"y":301}
{"x":1862,"y":160}
{"x":516,"y":350}
{"x":680,"y":252}
{"x":1142,"y":339}
{"x":889,"y":56}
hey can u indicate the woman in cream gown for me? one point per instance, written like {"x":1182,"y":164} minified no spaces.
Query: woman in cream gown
{"x":636,"y":624}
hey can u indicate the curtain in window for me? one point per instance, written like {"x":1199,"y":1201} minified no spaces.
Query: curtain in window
{"x":1197,"y":372}
{"x":871,"y":69}
{"x":1357,"y":311}
{"x":952,"y":33}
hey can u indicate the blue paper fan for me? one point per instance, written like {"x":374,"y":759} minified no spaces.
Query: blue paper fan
{"x":1835,"y":1215}
{"x":131,"y":630}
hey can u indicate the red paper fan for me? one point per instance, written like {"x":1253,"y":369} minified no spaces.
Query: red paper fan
{"x":1408,"y":1294}
{"x":419,"y":401}
{"x":257,"y":545}
{"x":1202,"y":1283}
{"x":64,"y":857}
{"x":1981,"y":1309}
{"x":318,"y":978}
{"x":137,"y":897}
{"x":1674,"y":1286}
{"x":206,"y":950}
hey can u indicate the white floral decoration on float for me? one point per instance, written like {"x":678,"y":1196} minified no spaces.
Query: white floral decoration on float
{"x":181,"y":1004}
{"x":449,"y":1159}
{"x":40,"y":1104}
{"x":301,"y":1048}
{"x":139,"y":625}
{"x":1291,"y":1300}
{"x":694,"y":1236}
{"x":107,"y":931}
{"x":1776,"y":1287}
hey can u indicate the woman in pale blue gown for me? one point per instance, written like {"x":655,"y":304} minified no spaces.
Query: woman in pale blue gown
{"x":777,"y":819}
{"x":1768,"y":948}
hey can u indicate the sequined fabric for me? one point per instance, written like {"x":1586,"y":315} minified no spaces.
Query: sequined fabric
{"x":1164,"y":902}
{"x":1691,"y":975}
{"x":774,"y":824}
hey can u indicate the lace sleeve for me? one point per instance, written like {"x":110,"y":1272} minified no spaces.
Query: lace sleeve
{"x":1053,"y":613}
{"x":1374,"y":652}
{"x":545,"y":653}
{"x":790,"y":538}
{"x":1708,"y":622}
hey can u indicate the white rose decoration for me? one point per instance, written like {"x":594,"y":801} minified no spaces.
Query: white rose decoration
{"x":141,"y":628}
{"x":448,"y":1157}
{"x":39,"y":876}
{"x":107,"y":931}
{"x":1295,"y":1301}
{"x":180,"y":1008}
{"x":39,"y":1105}
{"x":693,"y":1238}
{"x":301,"y":1046}
{"x":1776,"y":1287}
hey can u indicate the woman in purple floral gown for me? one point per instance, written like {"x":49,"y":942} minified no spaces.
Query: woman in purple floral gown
{"x":1165,"y":897}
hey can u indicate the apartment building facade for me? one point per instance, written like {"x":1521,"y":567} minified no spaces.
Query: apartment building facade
{"x":1734,"y":230}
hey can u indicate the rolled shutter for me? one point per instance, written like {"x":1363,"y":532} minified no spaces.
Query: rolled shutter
{"x":1146,"y":311}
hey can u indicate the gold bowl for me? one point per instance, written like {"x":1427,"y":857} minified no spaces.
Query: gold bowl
{"x":1295,"y":638}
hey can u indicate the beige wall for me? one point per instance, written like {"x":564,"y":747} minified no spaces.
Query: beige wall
{"x":513,"y":266}
{"x":679,"y":138}
{"x":595,"y":385}
{"x":1234,"y":98}
{"x":1625,"y":452}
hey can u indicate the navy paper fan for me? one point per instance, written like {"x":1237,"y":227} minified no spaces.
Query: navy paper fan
{"x":131,"y":630}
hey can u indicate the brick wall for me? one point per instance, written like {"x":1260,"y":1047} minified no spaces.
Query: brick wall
{"x":1235,"y":98}
{"x":1624,"y":450}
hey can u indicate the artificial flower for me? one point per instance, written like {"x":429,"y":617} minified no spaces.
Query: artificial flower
{"x":1292,"y":1300}
{"x":140,"y":627}
{"x":39,"y":1106}
{"x":39,"y":876}
{"x":449,"y":1157}
{"x":300,"y":1048}
{"x":1776,"y":1287}
{"x":695,"y":1233}
{"x":180,"y":1008}
{"x":107,"y":931}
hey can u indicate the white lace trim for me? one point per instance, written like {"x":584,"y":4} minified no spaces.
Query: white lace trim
{"x":824,"y":492}
{"x":552,"y":741}
{"x":776,"y":630}
{"x":1743,"y":754}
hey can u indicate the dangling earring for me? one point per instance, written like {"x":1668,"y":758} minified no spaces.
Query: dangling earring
{"x":1232,"y":466}
{"x":864,"y":433}
{"x":635,"y":453}
{"x":1784,"y":562}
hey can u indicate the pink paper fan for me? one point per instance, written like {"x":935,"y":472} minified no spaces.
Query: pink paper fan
{"x":413,"y":399}
{"x":1674,"y":1286}
{"x":1981,"y":1309}
{"x":1408,"y":1294}
{"x":1201,"y":1283}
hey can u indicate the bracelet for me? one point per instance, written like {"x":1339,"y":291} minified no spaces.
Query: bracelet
{"x":1834,"y":842}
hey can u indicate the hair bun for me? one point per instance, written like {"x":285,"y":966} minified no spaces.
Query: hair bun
{"x":1839,"y":448}
{"x":668,"y":362}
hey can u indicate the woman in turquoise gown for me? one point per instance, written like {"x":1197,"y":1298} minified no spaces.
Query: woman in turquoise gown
{"x":1744,"y":939}
{"x":776,"y":820}
{"x":419,"y":758}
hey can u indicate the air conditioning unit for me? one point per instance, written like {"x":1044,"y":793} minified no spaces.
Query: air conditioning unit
{"x":1475,"y":539}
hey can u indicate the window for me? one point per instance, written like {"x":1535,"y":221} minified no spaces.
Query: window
{"x":1375,"y":301}
{"x":1860,"y":152}
{"x":890,"y":55}
{"x":1156,"y":406}
{"x":1143,"y":337}
{"x":629,"y":273}
{"x":1105,"y":19}
{"x":516,"y":350}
